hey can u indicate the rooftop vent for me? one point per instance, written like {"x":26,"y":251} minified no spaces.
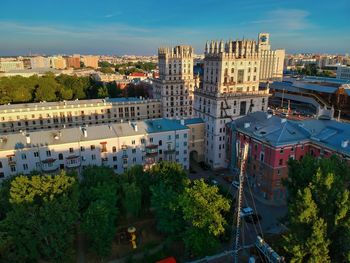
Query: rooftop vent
{"x":246,"y":125}
{"x":27,"y":138}
{"x":344,"y":143}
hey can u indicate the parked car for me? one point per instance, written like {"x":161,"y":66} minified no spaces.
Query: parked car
{"x":235,"y":184}
{"x":246,"y":211}
{"x":204,"y":166}
{"x":253,"y":218}
{"x":228,"y":179}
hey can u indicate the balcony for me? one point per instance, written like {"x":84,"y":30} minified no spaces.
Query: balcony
{"x":151,"y":150}
{"x":170,"y":151}
{"x":73,"y":161}
{"x":49,"y":165}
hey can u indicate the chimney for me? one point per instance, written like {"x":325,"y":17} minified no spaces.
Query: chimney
{"x":28,"y":138}
{"x":344,"y":143}
{"x":84,"y":132}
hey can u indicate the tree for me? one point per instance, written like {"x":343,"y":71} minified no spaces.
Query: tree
{"x":40,"y":224}
{"x":203,"y":208}
{"x":318,"y":210}
{"x":171,"y":181}
{"x":98,"y":202}
{"x":132,"y":199}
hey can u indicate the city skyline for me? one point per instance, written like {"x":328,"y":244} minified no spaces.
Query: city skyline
{"x":120,"y":28}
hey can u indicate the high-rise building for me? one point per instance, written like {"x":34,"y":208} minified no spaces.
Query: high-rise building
{"x":175,"y":84}
{"x":90,"y":61}
{"x":230,"y":88}
{"x":271,"y":61}
{"x":73,"y":61}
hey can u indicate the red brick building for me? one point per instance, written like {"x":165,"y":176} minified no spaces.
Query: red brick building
{"x":274,"y":140}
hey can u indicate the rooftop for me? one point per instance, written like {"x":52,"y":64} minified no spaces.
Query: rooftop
{"x":277,"y":131}
{"x":93,"y":133}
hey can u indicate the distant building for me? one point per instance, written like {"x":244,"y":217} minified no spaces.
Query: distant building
{"x":90,"y":61}
{"x":104,"y":77}
{"x":137,"y":75}
{"x":175,"y":84}
{"x":58,"y":62}
{"x":73,"y":61}
{"x":273,"y":141}
{"x":6,"y":66}
{"x":49,"y":115}
{"x":40,"y":62}
{"x":117,"y":145}
{"x":343,"y":72}
{"x":271,"y":61}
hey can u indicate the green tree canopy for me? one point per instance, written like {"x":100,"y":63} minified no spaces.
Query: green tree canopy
{"x":318,"y":210}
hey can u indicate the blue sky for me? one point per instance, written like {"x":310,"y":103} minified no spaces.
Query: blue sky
{"x":140,"y":27}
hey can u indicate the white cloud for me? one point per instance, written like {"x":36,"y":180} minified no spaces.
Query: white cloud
{"x":285,"y":20}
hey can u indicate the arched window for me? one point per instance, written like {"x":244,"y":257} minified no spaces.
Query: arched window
{"x":114,"y":149}
{"x":60,"y":156}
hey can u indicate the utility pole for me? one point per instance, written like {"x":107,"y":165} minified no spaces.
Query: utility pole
{"x":244,"y":155}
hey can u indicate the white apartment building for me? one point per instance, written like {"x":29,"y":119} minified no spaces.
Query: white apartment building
{"x":175,"y":84}
{"x":47,"y":115}
{"x":6,"y":66}
{"x":117,"y":145}
{"x":230,"y":88}
{"x":343,"y":72}
{"x":40,"y":62}
{"x":271,"y":61}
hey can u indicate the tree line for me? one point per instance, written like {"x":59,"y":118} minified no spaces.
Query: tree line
{"x":49,"y":87}
{"x":126,"y":68}
{"x":41,"y":214}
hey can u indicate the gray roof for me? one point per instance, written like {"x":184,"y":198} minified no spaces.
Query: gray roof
{"x":277,"y":131}
{"x":94,"y":132}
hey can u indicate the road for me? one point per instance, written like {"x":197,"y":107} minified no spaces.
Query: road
{"x":270,"y":214}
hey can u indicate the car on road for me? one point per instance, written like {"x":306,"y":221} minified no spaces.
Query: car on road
{"x":192,"y":171}
{"x":228,"y":179}
{"x":204,"y":166}
{"x":246,"y":211}
{"x":235,"y":184}
{"x":253,"y":218}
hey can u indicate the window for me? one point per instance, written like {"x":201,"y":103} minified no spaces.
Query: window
{"x":93,"y":157}
{"x":71,"y":150}
{"x":176,"y":136}
{"x":134,"y":160}
{"x":36,"y":154}
{"x":0,"y":164}
{"x":280,"y":162}
{"x":151,"y":139}
{"x":185,"y":135}
{"x":48,"y":153}
{"x":160,"y":142}
{"x":92,"y":147}
{"x":169,"y":137}
{"x":114,"y":158}
{"x":60,"y":156}
{"x":281,"y":150}
{"x":185,"y":143}
{"x":115,"y":167}
{"x":279,"y":172}
{"x":2,"y":175}
{"x":133,"y":142}
{"x":133,"y":150}
{"x":82,"y":148}
{"x":143,"y":141}
{"x":13,"y":169}
{"x":114,"y":149}
{"x":25,"y":166}
{"x":24,"y":156}
{"x":262,"y":156}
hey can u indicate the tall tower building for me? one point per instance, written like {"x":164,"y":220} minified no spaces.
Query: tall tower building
{"x":271,"y":61}
{"x":175,"y":84}
{"x":230,"y":88}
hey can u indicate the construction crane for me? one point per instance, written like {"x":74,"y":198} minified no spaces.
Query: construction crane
{"x":243,"y":161}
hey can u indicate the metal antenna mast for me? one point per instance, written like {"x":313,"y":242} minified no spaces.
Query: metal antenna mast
{"x":244,"y":155}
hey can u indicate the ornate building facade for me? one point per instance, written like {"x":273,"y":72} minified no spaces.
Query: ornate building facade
{"x":230,"y":88}
{"x":175,"y":84}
